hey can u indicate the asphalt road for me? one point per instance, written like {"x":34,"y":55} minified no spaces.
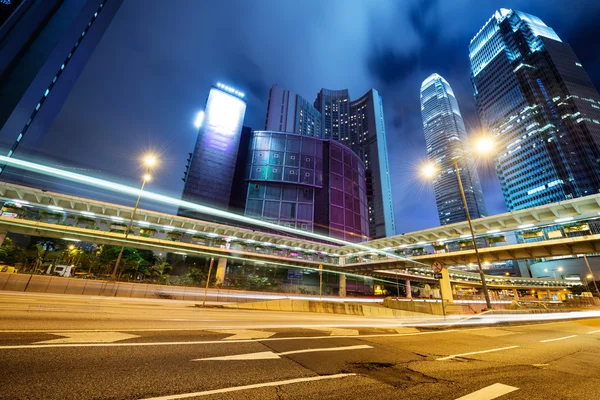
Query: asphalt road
{"x":54,"y":347}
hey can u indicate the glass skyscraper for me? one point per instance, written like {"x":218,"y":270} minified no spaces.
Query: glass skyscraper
{"x":534,"y":96}
{"x":446,"y":139}
{"x":360,"y":125}
{"x":44,"y":47}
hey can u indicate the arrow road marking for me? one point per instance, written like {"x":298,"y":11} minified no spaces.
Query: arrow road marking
{"x":475,"y":352}
{"x":242,"y":334}
{"x":339,"y":331}
{"x":269,"y":355}
{"x":491,"y":392}
{"x":88,"y":337}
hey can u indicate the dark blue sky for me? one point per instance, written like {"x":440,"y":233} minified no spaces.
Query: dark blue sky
{"x":154,"y":67}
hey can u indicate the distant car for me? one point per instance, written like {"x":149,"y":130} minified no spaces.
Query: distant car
{"x":8,"y":269}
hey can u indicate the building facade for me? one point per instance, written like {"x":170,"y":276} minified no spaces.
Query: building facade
{"x":44,"y":46}
{"x":534,"y":96}
{"x":358,"y":125}
{"x":290,"y":112}
{"x":211,"y":167}
{"x":307,"y":183}
{"x":446,"y":140}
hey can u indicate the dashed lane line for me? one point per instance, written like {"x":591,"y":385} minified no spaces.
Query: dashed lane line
{"x":248,"y":387}
{"x":491,"y":392}
{"x":556,"y":339}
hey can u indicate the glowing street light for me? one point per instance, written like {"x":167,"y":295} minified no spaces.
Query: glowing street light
{"x":150,"y":160}
{"x":483,"y":145}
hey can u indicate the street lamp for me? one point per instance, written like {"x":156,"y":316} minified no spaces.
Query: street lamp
{"x":559,"y":269}
{"x":483,"y":146}
{"x":149,"y":161}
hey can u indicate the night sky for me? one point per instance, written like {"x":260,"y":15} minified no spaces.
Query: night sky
{"x":154,"y":67}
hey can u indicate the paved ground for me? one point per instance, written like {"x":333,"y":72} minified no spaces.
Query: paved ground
{"x":53,"y":347}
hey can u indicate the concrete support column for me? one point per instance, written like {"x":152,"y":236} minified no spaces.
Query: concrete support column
{"x":2,"y":237}
{"x":342,"y":261}
{"x":516,"y":294}
{"x":446,"y":287}
{"x":221,"y":267}
{"x":342,"y":285}
{"x":408,"y":289}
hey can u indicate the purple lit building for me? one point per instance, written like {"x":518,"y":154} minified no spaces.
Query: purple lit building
{"x":307,"y":183}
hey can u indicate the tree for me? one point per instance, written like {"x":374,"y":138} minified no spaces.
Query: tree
{"x":10,"y":253}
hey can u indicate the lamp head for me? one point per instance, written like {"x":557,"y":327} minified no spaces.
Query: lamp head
{"x":149,"y":160}
{"x":484,"y":145}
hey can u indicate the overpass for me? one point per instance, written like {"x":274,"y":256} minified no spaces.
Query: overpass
{"x":42,"y":213}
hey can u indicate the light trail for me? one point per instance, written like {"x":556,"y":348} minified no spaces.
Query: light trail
{"x":124,"y":189}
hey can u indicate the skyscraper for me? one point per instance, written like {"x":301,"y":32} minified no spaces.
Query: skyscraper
{"x":44,"y":46}
{"x":359,"y":125}
{"x":211,"y":167}
{"x":446,"y":139}
{"x":289,"y":112}
{"x":534,"y":96}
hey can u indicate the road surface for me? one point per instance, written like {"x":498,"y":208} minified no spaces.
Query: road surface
{"x":53,"y":347}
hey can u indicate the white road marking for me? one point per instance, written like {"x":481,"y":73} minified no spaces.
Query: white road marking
{"x":270,"y":355}
{"x":475,"y":352}
{"x":491,"y":392}
{"x":560,"y":338}
{"x":339,"y":331}
{"x":88,"y":337}
{"x":41,"y":346}
{"x":241,"y":334}
{"x":247,"y":387}
{"x":598,"y":331}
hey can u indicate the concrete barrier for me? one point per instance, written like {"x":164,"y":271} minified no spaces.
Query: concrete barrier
{"x":366,"y":310}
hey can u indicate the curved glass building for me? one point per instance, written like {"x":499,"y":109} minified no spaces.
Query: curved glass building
{"x":534,"y":96}
{"x":446,"y":139}
{"x":307,"y":183}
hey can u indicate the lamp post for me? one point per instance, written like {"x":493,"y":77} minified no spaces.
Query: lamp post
{"x":559,"y":269}
{"x":484,"y":145}
{"x":149,"y":162}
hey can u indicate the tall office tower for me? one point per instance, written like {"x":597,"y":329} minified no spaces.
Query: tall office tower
{"x":534,"y":96}
{"x":44,"y":46}
{"x":210,"y":171}
{"x":307,"y":183}
{"x":289,"y":112}
{"x":446,"y":139}
{"x":360,"y":125}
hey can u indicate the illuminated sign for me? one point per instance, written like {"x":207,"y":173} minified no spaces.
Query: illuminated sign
{"x":223,"y":119}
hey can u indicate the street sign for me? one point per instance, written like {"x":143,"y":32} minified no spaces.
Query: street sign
{"x":294,"y":274}
{"x":437,"y":267}
{"x":437,"y":276}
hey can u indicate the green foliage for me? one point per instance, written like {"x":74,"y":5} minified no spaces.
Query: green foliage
{"x":10,"y":253}
{"x":194,"y":277}
{"x":251,"y":282}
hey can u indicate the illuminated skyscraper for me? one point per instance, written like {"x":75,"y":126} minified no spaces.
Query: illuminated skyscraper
{"x":44,"y":47}
{"x":211,"y":166}
{"x":358,"y":124}
{"x":446,"y":139}
{"x":534,"y":96}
